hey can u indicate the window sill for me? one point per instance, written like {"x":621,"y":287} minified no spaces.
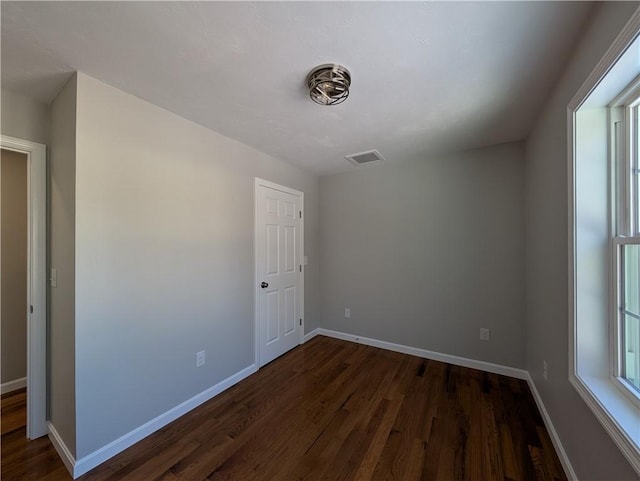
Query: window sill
{"x":619,"y":416}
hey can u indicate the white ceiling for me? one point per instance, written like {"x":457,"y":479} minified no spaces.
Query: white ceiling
{"x":427,"y":77}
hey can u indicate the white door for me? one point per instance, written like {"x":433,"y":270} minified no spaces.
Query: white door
{"x":279,"y":280}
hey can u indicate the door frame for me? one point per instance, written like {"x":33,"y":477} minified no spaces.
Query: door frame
{"x":36,"y":281}
{"x":271,"y":185}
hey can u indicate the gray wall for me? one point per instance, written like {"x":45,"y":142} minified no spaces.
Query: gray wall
{"x":593,"y":454}
{"x":164,"y":259}
{"x":24,"y":118}
{"x":426,"y":253}
{"x":62,"y":346}
{"x":13,"y":326}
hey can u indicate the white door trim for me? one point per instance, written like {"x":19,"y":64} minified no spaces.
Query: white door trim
{"x":265,"y":183}
{"x":36,"y":282}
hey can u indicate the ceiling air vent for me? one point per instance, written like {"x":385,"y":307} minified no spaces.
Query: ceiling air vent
{"x":364,"y":157}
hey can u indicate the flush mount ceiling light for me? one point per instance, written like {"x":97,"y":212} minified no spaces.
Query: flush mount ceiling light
{"x":329,"y":84}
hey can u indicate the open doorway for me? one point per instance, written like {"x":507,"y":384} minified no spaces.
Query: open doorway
{"x":23,"y":286}
{"x":14,"y":250}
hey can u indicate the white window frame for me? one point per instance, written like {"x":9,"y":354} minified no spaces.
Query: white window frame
{"x":618,"y":413}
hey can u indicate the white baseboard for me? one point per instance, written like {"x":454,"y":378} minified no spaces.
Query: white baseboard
{"x":436,"y":356}
{"x":59,"y":445}
{"x":555,"y":439}
{"x":90,"y":461}
{"x":310,"y":335}
{"x":14,"y":385}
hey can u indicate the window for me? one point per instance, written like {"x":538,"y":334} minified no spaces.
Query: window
{"x":624,"y":116}
{"x":630,"y":314}
{"x":604,"y":241}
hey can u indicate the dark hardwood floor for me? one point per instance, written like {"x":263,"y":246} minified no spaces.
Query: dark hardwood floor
{"x":332,"y":410}
{"x":20,"y":458}
{"x":14,"y":414}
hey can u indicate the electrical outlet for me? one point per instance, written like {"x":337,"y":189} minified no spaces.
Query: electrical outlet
{"x":200,"y":358}
{"x":545,"y":369}
{"x":484,"y":334}
{"x":347,"y":313}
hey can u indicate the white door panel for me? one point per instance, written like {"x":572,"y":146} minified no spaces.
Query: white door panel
{"x":278,"y":270}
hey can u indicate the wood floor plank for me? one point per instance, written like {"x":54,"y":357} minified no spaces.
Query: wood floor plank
{"x":13,"y":412}
{"x":379,"y":441}
{"x":329,"y":410}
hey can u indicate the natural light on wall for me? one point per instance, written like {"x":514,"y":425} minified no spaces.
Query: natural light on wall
{"x":604,"y":242}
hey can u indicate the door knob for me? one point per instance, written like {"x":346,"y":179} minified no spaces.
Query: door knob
{"x":264,"y":284}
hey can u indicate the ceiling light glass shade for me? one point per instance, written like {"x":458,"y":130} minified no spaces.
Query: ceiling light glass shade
{"x":329,"y":84}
